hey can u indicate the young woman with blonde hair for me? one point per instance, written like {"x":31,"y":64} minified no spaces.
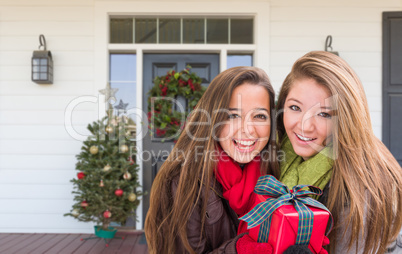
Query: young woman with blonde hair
{"x":324,"y":128}
{"x":188,"y":212}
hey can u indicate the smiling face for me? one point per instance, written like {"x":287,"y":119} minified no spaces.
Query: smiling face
{"x":247,"y":129}
{"x":308,"y":117}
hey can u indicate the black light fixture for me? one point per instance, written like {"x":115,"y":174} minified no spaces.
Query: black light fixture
{"x":42,"y":64}
{"x":328,"y":45}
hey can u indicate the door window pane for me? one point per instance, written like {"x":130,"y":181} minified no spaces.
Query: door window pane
{"x":217,"y":31}
{"x":241,"y":31}
{"x":123,"y":77}
{"x":145,"y":30}
{"x":239,"y":60}
{"x":193,"y":31}
{"x":121,"y":30}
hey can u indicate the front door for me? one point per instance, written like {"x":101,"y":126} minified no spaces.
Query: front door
{"x":206,"y":66}
{"x":392,"y":83}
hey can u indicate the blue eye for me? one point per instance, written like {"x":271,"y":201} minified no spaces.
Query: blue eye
{"x":325,"y":115}
{"x":294,"y":108}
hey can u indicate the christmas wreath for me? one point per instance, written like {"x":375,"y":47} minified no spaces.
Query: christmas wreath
{"x":164,"y":120}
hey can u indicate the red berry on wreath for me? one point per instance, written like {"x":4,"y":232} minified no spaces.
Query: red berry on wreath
{"x":119,"y":192}
{"x":80,"y":175}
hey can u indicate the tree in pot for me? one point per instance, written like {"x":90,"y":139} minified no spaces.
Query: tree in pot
{"x":107,"y":188}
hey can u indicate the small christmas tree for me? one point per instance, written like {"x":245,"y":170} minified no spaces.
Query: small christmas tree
{"x":106,"y":187}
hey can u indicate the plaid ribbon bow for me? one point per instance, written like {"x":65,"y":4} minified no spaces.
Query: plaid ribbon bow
{"x":261,"y":213}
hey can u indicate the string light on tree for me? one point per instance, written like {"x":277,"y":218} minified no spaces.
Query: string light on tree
{"x":101,"y":184}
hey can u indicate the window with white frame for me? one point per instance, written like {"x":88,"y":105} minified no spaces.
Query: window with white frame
{"x":234,"y":60}
{"x":123,"y":77}
{"x":160,"y":30}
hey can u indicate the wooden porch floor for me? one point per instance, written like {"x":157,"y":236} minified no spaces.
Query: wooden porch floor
{"x":132,"y":242}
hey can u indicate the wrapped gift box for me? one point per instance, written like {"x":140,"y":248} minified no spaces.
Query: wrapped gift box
{"x":284,"y":225}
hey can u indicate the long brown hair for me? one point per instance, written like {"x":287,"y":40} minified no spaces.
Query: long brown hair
{"x":167,"y":216}
{"x":362,"y":163}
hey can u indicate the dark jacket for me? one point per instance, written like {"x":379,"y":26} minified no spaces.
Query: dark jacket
{"x":220,"y":232}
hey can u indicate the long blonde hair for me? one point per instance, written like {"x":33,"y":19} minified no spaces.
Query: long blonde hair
{"x":167,"y":216}
{"x":362,"y":162}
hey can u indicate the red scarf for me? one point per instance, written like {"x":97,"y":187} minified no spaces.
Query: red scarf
{"x":238,"y":184}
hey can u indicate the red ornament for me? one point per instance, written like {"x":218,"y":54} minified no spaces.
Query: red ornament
{"x":119,"y":192}
{"x":107,"y":214}
{"x":80,"y":175}
{"x":84,"y":204}
{"x":130,"y":159}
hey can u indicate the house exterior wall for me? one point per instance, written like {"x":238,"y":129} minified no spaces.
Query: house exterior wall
{"x":356,"y":28}
{"x":37,"y":155}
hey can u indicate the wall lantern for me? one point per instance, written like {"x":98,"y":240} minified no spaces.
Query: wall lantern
{"x":42,"y":64}
{"x":328,"y":43}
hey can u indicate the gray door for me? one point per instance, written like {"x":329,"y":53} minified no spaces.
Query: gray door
{"x":392,"y":83}
{"x":206,"y":66}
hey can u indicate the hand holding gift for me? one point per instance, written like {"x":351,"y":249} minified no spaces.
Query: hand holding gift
{"x":281,"y":224}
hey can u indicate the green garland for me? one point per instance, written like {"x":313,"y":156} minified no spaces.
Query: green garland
{"x":164,"y":121}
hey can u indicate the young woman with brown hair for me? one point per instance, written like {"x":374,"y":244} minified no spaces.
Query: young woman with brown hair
{"x":324,"y":128}
{"x":188,"y":213}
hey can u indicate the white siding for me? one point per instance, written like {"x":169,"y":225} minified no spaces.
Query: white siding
{"x":298,"y":27}
{"x":37,"y":155}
